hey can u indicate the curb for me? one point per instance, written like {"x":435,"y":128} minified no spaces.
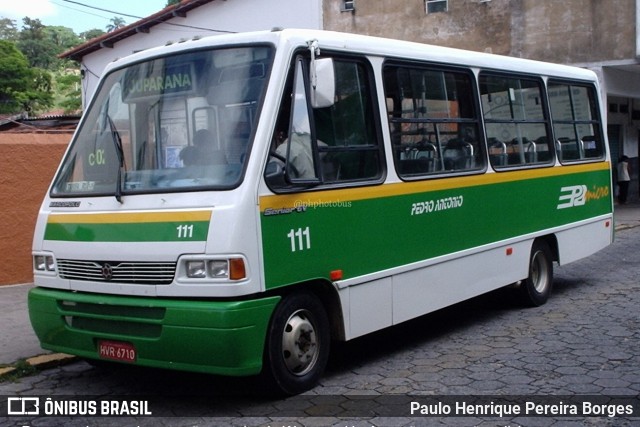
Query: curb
{"x":43,"y":361}
{"x":621,"y":227}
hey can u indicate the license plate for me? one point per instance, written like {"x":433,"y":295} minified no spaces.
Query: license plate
{"x":117,"y":350}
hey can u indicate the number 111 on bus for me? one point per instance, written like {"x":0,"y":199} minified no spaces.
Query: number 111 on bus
{"x":300,"y":239}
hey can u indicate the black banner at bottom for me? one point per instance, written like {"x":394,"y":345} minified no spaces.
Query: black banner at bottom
{"x":342,"y":406}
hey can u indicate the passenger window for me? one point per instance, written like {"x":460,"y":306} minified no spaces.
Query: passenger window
{"x":515,"y":121}
{"x":334,"y":144}
{"x":433,"y":120}
{"x":574,"y":114}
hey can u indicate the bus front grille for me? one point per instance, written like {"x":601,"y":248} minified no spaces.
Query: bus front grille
{"x":145,"y":273}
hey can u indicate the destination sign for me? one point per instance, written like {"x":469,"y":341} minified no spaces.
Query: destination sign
{"x":171,"y":80}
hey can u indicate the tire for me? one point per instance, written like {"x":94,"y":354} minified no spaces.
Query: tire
{"x":297,"y":346}
{"x":536,"y":288}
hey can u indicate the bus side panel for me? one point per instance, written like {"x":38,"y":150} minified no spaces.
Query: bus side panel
{"x":402,"y":250}
{"x":370,"y":308}
{"x":375,"y":305}
{"x":385,"y":302}
{"x":429,"y":289}
{"x":381,"y":229}
{"x":584,"y":240}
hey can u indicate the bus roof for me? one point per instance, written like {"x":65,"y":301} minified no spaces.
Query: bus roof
{"x":369,"y":45}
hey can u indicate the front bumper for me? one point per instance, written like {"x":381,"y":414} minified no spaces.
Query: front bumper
{"x":217,"y":337}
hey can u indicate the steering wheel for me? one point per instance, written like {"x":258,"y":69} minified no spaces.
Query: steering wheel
{"x":288,"y":165}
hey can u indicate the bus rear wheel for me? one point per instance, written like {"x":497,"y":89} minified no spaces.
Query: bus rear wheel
{"x":536,"y":288}
{"x":297,"y":344}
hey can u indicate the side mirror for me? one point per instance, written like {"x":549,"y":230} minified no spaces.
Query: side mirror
{"x":323,"y":90}
{"x":274,"y":174}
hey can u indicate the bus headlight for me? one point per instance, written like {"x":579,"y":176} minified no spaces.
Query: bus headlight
{"x":196,"y":269}
{"x":44,"y":263}
{"x":230,"y":269}
{"x":219,"y":269}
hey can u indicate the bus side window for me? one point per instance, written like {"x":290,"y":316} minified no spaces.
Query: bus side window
{"x":574,"y":112}
{"x":351,"y":149}
{"x":433,"y":120}
{"x":346,"y":138}
{"x":516,"y":122}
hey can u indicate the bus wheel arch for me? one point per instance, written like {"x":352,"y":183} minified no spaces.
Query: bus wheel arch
{"x":327,"y":294}
{"x":536,"y":288}
{"x":297,"y":343}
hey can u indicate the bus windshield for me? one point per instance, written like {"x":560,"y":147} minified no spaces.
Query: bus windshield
{"x":181,"y":122}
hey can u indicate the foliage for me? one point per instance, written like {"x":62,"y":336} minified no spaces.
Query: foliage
{"x":91,"y":34}
{"x":68,"y":89}
{"x":8,"y":29}
{"x":14,"y":75}
{"x":32,"y":76}
{"x":42,"y":45}
{"x":21,"y":368}
{"x":62,"y":37}
{"x":39,"y":49}
{"x":116,"y":23}
{"x":23,"y":88}
{"x":39,"y":96}
{"x":172,"y":2}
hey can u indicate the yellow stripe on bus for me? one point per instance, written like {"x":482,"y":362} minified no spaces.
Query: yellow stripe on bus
{"x":129,"y":217}
{"x":294,"y":200}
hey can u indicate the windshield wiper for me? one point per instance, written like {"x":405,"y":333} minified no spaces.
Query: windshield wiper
{"x":117,"y":142}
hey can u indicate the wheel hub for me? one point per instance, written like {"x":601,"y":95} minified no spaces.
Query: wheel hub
{"x":539,"y":274}
{"x":299,"y":343}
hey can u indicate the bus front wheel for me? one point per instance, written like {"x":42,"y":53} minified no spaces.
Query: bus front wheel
{"x":297,"y":344}
{"x":536,"y":288}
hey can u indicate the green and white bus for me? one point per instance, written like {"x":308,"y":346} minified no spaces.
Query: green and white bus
{"x":231,"y":205}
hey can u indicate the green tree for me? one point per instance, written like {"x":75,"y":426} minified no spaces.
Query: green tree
{"x":116,"y":23}
{"x":34,"y":42}
{"x":91,"y":34}
{"x":172,"y":2}
{"x":62,"y":37}
{"x":8,"y":29}
{"x":14,"y":77}
{"x":68,"y":91}
{"x":22,"y":88}
{"x":39,"y":95}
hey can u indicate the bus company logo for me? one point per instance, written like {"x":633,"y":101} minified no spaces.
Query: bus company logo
{"x":107,"y":271}
{"x":572,"y":196}
{"x":23,"y":406}
{"x":579,"y":195}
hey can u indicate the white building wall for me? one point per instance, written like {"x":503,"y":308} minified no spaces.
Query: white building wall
{"x":222,"y":15}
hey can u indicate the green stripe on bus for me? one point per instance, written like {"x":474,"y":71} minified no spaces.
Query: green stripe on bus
{"x":128,"y":232}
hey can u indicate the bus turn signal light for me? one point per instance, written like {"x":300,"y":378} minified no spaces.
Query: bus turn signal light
{"x":237,"y":270}
{"x":335,"y":275}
